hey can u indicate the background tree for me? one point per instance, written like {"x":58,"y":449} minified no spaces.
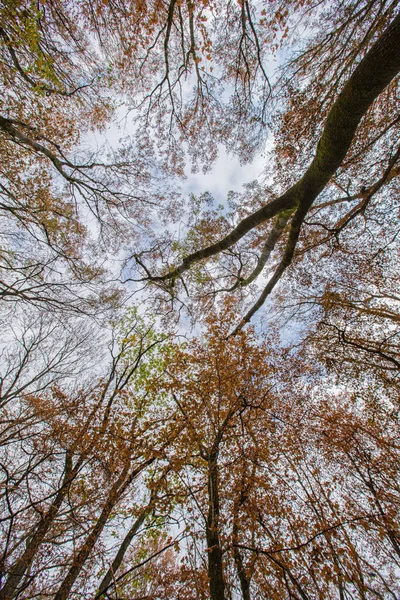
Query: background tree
{"x":271,"y":509}
{"x":68,"y":459}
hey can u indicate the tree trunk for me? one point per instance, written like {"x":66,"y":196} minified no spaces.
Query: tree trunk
{"x":11,"y":588}
{"x":240,"y":567}
{"x":119,"y":487}
{"x":109,"y":576}
{"x":215,"y":568}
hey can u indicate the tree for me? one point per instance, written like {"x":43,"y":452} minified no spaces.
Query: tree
{"x":95,"y":439}
{"x":56,"y":91}
{"x":214,"y":386}
{"x":359,"y":93}
{"x":172,"y":42}
{"x":267,"y":495}
{"x":139,"y":463}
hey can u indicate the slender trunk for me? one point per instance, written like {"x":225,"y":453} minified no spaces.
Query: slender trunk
{"x":215,"y":568}
{"x":394,"y":541}
{"x":91,"y":539}
{"x":237,"y":556}
{"x":368,"y":481}
{"x":17,"y":571}
{"x":241,"y":571}
{"x":119,"y":487}
{"x":109,"y":576}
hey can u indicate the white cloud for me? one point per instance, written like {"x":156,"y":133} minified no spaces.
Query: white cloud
{"x":227,"y":174}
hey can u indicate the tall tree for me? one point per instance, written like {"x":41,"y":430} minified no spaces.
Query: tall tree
{"x":360,"y":97}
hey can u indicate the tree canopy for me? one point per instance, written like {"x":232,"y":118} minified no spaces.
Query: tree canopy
{"x":199,"y":396}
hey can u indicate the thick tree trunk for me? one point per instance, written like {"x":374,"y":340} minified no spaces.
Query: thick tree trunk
{"x":215,"y":567}
{"x":376,"y":70}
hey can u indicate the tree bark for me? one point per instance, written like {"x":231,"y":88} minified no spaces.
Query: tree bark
{"x":119,"y":487}
{"x":237,"y":556}
{"x":11,"y":588}
{"x":109,"y":576}
{"x":215,"y":567}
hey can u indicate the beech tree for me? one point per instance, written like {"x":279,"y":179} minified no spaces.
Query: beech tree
{"x":271,"y":476}
{"x":68,"y":457}
{"x":172,"y":42}
{"x":360,"y":91}
{"x":144,"y":460}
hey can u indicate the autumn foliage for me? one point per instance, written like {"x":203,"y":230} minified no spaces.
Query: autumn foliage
{"x":199,"y":399}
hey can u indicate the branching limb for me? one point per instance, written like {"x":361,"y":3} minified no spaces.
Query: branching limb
{"x":379,"y":66}
{"x":274,"y":236}
{"x":371,"y":76}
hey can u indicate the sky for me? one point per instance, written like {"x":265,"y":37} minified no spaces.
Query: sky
{"x":227,"y":174}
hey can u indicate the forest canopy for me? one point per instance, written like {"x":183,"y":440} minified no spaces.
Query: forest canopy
{"x":199,"y":395}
